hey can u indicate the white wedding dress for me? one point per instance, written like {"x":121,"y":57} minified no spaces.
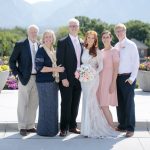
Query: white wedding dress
{"x":93,"y":122}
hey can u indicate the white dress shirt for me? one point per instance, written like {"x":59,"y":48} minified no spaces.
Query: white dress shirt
{"x":32,"y":54}
{"x":77,"y":48}
{"x":129,"y":58}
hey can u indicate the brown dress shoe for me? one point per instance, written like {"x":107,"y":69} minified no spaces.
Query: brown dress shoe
{"x":63,"y":133}
{"x":129,"y":134}
{"x":23,"y":132}
{"x":33,"y":130}
{"x":120,"y":130}
{"x":74,"y":130}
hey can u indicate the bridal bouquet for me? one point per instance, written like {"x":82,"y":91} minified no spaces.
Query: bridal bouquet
{"x":85,"y":73}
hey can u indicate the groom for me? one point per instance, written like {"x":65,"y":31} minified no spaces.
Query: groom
{"x":69,"y":52}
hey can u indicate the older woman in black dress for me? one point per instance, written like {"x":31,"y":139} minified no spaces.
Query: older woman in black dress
{"x":47,"y":78}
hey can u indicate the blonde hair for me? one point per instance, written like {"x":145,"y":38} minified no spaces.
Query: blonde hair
{"x":74,"y":20}
{"x":52,"y":34}
{"x":120,"y":25}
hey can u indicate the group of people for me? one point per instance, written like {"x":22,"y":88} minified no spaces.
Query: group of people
{"x":42,"y":70}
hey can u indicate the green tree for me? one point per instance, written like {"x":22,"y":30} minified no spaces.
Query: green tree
{"x":135,"y":29}
{"x":61,"y":32}
{"x":138,"y":30}
{"x":97,"y":25}
{"x":8,"y":38}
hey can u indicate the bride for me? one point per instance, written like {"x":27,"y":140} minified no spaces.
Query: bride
{"x":93,"y":122}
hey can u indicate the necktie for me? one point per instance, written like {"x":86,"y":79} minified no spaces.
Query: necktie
{"x":33,"y":51}
{"x":33,"y":57}
{"x":78,"y":51}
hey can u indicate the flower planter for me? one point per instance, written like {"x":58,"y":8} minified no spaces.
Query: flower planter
{"x":144,"y":80}
{"x":3,"y":78}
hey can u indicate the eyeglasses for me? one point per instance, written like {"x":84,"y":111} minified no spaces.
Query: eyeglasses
{"x":73,"y":26}
{"x":119,"y":31}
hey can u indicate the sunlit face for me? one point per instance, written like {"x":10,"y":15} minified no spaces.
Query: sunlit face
{"x":120,"y":33}
{"x":106,"y":39}
{"x":48,"y":39}
{"x":32,"y":34}
{"x":73,"y":28}
{"x":90,"y":40}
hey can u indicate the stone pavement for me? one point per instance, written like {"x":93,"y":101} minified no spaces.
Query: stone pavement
{"x":10,"y":139}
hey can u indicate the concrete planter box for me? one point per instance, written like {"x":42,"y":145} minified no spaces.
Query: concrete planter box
{"x":3,"y":79}
{"x":144,"y":80}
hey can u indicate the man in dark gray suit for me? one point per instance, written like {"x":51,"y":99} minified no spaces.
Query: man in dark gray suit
{"x":23,"y":66}
{"x":69,"y":50}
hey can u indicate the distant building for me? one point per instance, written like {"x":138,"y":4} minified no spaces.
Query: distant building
{"x":142,"y":48}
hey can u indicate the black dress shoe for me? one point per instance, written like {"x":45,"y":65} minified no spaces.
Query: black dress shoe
{"x":74,"y":130}
{"x":129,"y":134}
{"x":33,"y":130}
{"x":120,"y":130}
{"x":23,"y":132}
{"x":63,"y":133}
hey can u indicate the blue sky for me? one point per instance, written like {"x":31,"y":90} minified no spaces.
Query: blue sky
{"x":35,"y":1}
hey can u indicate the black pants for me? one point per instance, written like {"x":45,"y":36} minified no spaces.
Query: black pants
{"x":126,"y":106}
{"x":70,"y":98}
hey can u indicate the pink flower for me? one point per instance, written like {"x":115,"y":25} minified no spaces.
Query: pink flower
{"x":145,"y":65}
{"x":85,"y":73}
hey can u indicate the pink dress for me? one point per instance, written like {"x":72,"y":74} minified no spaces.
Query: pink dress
{"x":110,"y":57}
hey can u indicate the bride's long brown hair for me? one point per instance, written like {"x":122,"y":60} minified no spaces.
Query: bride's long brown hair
{"x":92,"y":50}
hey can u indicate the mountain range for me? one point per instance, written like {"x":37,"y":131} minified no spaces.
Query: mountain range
{"x":56,"y":13}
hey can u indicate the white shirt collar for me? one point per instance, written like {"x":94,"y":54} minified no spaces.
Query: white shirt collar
{"x":30,"y":42}
{"x":123,"y":41}
{"x":73,"y":37}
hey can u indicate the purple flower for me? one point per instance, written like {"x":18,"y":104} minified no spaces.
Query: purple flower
{"x":1,"y":62}
{"x":11,"y":83}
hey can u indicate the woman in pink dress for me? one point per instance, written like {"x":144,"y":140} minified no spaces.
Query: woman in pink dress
{"x":107,"y":93}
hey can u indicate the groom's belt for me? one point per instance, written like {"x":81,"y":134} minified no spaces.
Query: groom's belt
{"x":124,"y":74}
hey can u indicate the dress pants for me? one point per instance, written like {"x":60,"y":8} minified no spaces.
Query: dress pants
{"x":70,"y":98}
{"x":27,"y":104}
{"x":126,"y":106}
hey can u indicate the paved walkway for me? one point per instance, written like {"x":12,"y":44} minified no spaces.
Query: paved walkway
{"x":10,"y":139}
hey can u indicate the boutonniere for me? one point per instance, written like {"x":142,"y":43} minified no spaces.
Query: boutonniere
{"x":121,"y":46}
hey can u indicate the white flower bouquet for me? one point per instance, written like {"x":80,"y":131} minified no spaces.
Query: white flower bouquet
{"x":85,"y":73}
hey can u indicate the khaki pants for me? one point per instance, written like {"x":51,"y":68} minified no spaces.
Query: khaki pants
{"x":27,"y":104}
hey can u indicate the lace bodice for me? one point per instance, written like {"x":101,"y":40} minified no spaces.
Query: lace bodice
{"x":95,"y":62}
